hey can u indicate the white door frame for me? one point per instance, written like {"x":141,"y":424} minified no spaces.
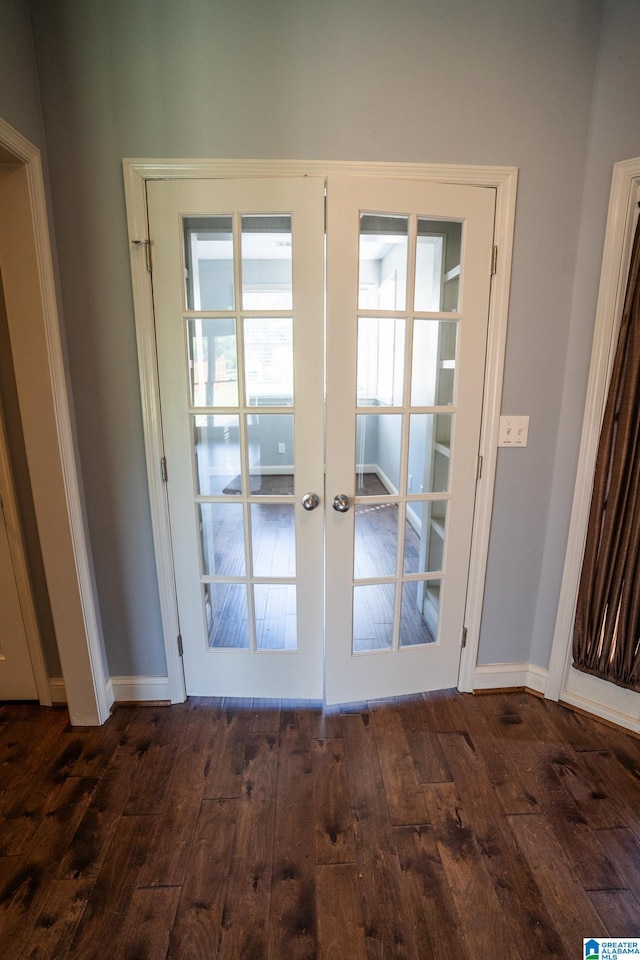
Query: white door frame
{"x":36,"y":343}
{"x":563,"y":682}
{"x":502,"y":179}
{"x":21,"y":569}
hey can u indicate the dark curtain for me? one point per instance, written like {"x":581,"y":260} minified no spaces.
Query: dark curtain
{"x":606,"y":637}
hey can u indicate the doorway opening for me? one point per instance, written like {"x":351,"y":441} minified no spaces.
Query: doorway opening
{"x":393,"y":502}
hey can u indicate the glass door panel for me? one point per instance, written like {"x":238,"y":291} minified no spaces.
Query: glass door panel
{"x":401,"y":255}
{"x":248,"y":556}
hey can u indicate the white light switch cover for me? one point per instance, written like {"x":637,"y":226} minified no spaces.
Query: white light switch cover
{"x":514,"y":431}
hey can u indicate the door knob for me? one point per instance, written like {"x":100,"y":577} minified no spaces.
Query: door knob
{"x":310,"y":501}
{"x":341,"y":503}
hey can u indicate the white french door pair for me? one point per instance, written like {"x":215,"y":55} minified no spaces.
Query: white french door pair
{"x":321,"y":410}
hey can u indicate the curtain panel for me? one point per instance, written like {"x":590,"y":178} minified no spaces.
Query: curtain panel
{"x":606,"y":638}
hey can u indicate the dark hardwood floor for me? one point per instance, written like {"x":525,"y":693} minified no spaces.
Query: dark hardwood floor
{"x":446,"y":826}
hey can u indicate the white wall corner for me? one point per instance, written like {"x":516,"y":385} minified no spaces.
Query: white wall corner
{"x":496,"y":676}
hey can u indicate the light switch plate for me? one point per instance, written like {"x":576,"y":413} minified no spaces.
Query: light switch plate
{"x":514,"y":431}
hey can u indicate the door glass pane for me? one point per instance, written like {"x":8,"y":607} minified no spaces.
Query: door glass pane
{"x":380,"y":361}
{"x":274,"y":540}
{"x":222,"y":537}
{"x":226,"y":611}
{"x":268,"y":358}
{"x":266,"y":263}
{"x":414,"y":629}
{"x":429,"y":450}
{"x":217,"y":450}
{"x":433,"y":365}
{"x":208,"y":244}
{"x":377,"y":454}
{"x":383,"y":262}
{"x":213,"y":365}
{"x":373,"y":606}
{"x":275,"y":605}
{"x":429,"y":261}
{"x":438,"y":255}
{"x":271,"y":460}
{"x":424,"y":536}
{"x":376,"y":540}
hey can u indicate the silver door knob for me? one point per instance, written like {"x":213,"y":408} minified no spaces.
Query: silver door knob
{"x":341,"y":503}
{"x":310,"y":501}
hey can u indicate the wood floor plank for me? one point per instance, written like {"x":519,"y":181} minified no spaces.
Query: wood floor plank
{"x":388,"y":930}
{"x":513,"y":881}
{"x":512,"y":790}
{"x":581,"y":844}
{"x":624,"y":849}
{"x":244,"y":931}
{"x":292,"y":918}
{"x":23,"y":892}
{"x":340,"y":928}
{"x":88,"y":847}
{"x":175,"y":824}
{"x":112,"y":891}
{"x":265,"y":716}
{"x":439,"y":931}
{"x":224,"y":770}
{"x":486,"y":930}
{"x":404,"y":792}
{"x":157,"y":736}
{"x":145,"y":927}
{"x":571,"y":910}
{"x":196,"y":930}
{"x":334,"y":826}
{"x":619,"y":911}
{"x":621,"y":784}
{"x":423,"y":742}
{"x":61,"y":908}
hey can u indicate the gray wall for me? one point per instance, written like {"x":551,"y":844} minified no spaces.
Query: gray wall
{"x":488,"y":81}
{"x":19,"y":94}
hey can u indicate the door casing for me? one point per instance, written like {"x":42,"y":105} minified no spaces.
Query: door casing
{"x":136,"y":174}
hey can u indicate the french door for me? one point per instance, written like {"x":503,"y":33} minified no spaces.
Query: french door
{"x":320,"y":472}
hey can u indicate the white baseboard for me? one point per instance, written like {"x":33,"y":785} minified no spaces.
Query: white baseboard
{"x":499,"y":675}
{"x":140,"y":689}
{"x":123,"y":689}
{"x":600,"y":711}
{"x":57,"y":690}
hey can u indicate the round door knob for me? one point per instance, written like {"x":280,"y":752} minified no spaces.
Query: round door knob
{"x":341,"y":502}
{"x":310,"y":501}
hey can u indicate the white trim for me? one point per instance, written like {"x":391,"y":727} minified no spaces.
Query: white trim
{"x":140,"y":689}
{"x":94,"y":707}
{"x":15,"y":536}
{"x":493,"y":676}
{"x":57,"y":690}
{"x":603,"y":712}
{"x":625,"y":187}
{"x":503,"y":179}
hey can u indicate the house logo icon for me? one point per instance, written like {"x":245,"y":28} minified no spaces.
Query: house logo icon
{"x":591,"y":950}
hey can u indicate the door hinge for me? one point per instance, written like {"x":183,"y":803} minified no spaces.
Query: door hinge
{"x":464,"y":638}
{"x":479,"y":468}
{"x":180,"y":647}
{"x":494,"y":261}
{"x":147,"y":248}
{"x":163,"y":469}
